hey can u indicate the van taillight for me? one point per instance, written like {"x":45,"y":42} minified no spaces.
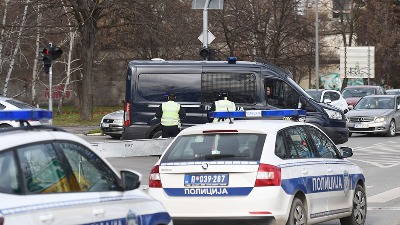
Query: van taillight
{"x":127,"y":114}
{"x":268,"y":175}
{"x":154,"y":178}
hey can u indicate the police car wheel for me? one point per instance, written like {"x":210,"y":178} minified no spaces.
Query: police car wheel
{"x":359,"y":211}
{"x":298,"y":213}
{"x":157,"y":134}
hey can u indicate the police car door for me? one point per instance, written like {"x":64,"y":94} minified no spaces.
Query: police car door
{"x":337,"y":180}
{"x":305,"y":169}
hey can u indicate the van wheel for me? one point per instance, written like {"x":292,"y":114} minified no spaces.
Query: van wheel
{"x":157,"y":134}
{"x":359,"y":209}
{"x":298,"y":213}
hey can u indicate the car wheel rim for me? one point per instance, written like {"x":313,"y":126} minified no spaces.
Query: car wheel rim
{"x":299,"y":216}
{"x":392,"y":128}
{"x":359,"y":207}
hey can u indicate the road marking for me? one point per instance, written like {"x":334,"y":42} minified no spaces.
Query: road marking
{"x":384,"y":208}
{"x":385,"y":196}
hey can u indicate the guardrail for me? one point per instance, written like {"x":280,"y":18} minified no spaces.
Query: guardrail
{"x":129,"y":148}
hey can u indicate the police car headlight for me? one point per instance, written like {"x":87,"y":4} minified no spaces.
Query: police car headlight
{"x":334,"y":114}
{"x":380,"y":119}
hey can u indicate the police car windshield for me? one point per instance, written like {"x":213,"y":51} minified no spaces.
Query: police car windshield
{"x":215,"y":146}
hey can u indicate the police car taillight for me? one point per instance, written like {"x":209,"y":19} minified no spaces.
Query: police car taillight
{"x":268,"y":175}
{"x":127,"y":114}
{"x":154,"y":178}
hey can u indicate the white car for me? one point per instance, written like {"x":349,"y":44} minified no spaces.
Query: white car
{"x":113,"y":124}
{"x":331,"y":97}
{"x":258,"y":171}
{"x":49,"y":176}
{"x":13,"y":104}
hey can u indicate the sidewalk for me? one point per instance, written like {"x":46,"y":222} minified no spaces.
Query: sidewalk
{"x":80,"y":129}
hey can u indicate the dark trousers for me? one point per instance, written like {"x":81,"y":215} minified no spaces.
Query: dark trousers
{"x":170,"y":131}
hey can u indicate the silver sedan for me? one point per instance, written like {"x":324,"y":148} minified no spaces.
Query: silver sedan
{"x":375,"y":114}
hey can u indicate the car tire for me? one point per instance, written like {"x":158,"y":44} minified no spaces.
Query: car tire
{"x":157,"y":134}
{"x":118,"y":137}
{"x":298,"y":213}
{"x":5,"y":126}
{"x":392,"y":129}
{"x":359,"y":210}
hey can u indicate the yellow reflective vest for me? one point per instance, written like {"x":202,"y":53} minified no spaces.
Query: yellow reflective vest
{"x":170,"y":113}
{"x":224,"y":105}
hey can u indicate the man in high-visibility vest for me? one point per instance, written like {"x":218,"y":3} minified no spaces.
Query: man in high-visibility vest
{"x":222,"y":104}
{"x":171,"y":114}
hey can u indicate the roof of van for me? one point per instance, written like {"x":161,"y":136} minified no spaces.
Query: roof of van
{"x":262,"y":63}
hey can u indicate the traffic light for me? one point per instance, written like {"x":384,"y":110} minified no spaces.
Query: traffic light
{"x":49,"y":53}
{"x":208,"y":54}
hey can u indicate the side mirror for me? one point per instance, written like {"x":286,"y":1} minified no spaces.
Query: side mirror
{"x":302,"y":103}
{"x":346,"y":152}
{"x":130,"y":179}
{"x":327,"y":101}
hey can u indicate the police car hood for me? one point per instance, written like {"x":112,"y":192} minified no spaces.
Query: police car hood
{"x":369,"y":112}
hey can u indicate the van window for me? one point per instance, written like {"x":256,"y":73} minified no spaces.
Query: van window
{"x":281,"y":94}
{"x":241,"y":87}
{"x":155,"y":87}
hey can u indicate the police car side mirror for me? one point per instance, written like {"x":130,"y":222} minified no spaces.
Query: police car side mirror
{"x":346,"y":152}
{"x":130,"y":179}
{"x":327,"y":101}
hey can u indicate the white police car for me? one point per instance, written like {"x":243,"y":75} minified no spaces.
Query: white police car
{"x":260,"y":171}
{"x":49,"y":176}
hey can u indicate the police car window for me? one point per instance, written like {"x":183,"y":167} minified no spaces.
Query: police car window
{"x":215,"y":147}
{"x":322,"y":144}
{"x":8,"y":174}
{"x":90,"y":172}
{"x":298,"y":143}
{"x":241,"y":87}
{"x":42,"y":169}
{"x":186,"y":87}
{"x":280,"y":149}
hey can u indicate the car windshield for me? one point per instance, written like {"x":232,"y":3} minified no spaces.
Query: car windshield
{"x":358,"y":92}
{"x":316,"y":95}
{"x":375,"y":103}
{"x":233,"y":147}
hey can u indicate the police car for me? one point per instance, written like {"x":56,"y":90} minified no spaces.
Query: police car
{"x":49,"y":176}
{"x":258,"y":172}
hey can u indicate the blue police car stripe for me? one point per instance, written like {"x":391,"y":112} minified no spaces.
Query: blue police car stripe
{"x":316,"y":184}
{"x":217,"y":191}
{"x":148,"y":219}
{"x":51,"y":205}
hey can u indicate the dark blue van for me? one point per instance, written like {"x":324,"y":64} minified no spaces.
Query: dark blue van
{"x":197,"y":84}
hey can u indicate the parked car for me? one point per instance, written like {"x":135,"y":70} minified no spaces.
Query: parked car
{"x":263,"y":171}
{"x":353,"y":94}
{"x":393,"y":92}
{"x":332,"y":97}
{"x":112,"y":124}
{"x":375,"y":114}
{"x":7,"y":103}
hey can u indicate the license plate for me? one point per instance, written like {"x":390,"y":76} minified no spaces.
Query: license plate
{"x":220,"y":179}
{"x":361,"y":125}
{"x":105,"y":125}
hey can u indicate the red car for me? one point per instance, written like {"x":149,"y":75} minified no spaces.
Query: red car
{"x":353,"y":94}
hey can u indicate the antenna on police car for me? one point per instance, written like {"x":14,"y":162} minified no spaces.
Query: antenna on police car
{"x":229,"y":116}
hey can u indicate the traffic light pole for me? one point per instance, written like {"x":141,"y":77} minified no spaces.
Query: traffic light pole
{"x":205,"y":24}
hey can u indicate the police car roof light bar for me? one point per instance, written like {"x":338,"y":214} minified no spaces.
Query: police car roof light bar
{"x":259,"y":113}
{"x":26,"y":114}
